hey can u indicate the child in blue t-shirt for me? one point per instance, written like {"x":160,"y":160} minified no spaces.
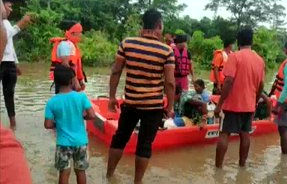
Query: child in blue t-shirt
{"x":65,"y":112}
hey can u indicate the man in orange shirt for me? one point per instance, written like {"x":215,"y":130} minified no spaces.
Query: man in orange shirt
{"x":242,"y":88}
{"x":219,"y":59}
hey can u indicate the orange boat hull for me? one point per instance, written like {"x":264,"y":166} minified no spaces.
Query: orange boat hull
{"x":105,"y":125}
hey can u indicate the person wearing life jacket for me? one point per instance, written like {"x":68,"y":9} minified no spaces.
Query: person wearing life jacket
{"x":281,"y":108}
{"x":66,"y":52}
{"x":219,"y":59}
{"x":183,"y":63}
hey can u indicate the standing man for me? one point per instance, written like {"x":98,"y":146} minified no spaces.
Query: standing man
{"x":67,"y":52}
{"x":183,"y":63}
{"x":150,"y":68}
{"x":242,"y":88}
{"x":8,"y":68}
{"x":281,"y":107}
{"x":220,"y":57}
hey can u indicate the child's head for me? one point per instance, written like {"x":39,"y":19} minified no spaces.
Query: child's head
{"x":63,"y":76}
{"x":199,"y":86}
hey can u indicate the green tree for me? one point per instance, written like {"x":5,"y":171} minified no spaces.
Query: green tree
{"x":202,"y":48}
{"x":277,"y":16}
{"x":247,"y":12}
{"x":266,"y":44}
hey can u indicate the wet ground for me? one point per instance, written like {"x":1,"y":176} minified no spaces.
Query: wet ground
{"x":188,"y":165}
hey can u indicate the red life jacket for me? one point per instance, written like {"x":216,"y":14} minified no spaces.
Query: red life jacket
{"x":75,"y":60}
{"x":182,"y":63}
{"x":280,"y":80}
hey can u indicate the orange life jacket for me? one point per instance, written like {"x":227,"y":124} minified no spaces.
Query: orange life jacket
{"x":75,"y":59}
{"x":221,"y":77}
{"x":279,"y":83}
{"x":182,"y":62}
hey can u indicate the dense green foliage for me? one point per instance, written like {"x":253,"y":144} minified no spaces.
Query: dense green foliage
{"x":107,"y":22}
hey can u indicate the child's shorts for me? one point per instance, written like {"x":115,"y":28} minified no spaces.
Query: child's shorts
{"x":65,"y":155}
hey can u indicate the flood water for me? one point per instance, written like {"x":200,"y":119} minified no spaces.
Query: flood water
{"x":188,"y":165}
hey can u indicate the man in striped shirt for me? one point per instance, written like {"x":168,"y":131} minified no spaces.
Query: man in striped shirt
{"x":149,"y":70}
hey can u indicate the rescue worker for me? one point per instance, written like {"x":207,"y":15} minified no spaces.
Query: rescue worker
{"x":281,"y":108}
{"x":183,"y":63}
{"x":66,"y":52}
{"x":220,"y":57}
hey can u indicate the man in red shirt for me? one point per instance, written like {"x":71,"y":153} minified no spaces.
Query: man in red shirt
{"x":243,"y":85}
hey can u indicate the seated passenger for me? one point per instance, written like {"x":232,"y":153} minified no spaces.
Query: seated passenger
{"x":190,"y":107}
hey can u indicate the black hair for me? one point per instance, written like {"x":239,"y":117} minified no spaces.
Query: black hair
{"x":178,"y":90}
{"x":285,"y":46}
{"x":245,"y":37}
{"x":180,"y":39}
{"x":228,"y":42}
{"x":151,"y":18}
{"x":63,"y":75}
{"x":13,"y":1}
{"x":200,"y":82}
{"x":7,"y":1}
{"x":67,"y":24}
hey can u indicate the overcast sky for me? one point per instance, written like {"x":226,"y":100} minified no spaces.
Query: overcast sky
{"x":196,"y":10}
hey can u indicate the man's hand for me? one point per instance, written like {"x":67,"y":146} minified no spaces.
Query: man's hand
{"x":219,"y":87}
{"x":169,"y":113}
{"x":18,"y":71}
{"x":192,"y":79}
{"x":28,"y":18}
{"x":76,"y":84}
{"x":113,"y":105}
{"x":83,"y":85}
{"x":217,"y":111}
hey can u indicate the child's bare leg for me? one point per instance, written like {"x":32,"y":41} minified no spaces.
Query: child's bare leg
{"x":81,"y":176}
{"x":64,"y":176}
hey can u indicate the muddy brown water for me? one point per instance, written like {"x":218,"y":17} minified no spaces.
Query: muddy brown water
{"x":187,"y":165}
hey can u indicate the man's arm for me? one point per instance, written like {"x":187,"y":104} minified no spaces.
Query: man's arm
{"x":259,"y":92}
{"x":116,"y":75}
{"x":90,"y":114}
{"x":3,"y":36}
{"x":49,"y":124}
{"x":192,"y":70}
{"x":216,"y":75}
{"x":227,"y":86}
{"x":25,"y":21}
{"x":191,"y":66}
{"x":217,"y":62}
{"x":169,"y":84}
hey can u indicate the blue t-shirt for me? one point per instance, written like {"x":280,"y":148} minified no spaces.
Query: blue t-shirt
{"x":66,"y":109}
{"x":205,"y":96}
{"x":65,"y":48}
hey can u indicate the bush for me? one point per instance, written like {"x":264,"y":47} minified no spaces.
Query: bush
{"x":34,"y":45}
{"x":266,"y":44}
{"x":97,"y":50}
{"x":202,"y":49}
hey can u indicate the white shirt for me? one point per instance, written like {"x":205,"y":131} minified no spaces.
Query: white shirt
{"x":9,"y":53}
